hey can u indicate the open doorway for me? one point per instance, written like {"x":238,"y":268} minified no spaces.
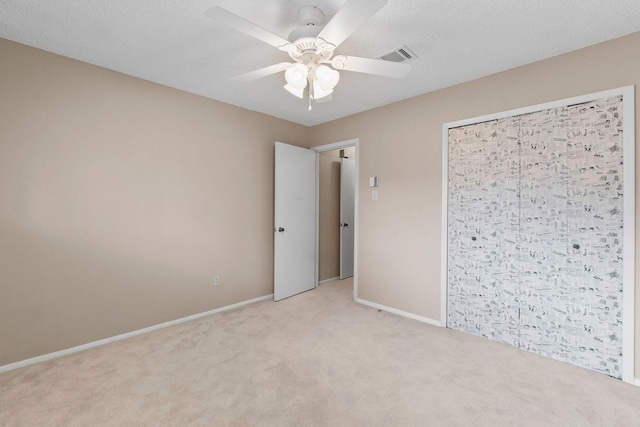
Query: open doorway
{"x":337,"y":169}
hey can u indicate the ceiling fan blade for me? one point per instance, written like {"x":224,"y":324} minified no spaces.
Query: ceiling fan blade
{"x":348,"y":19}
{"x":262,"y":72}
{"x":371,"y":66}
{"x":225,"y":17}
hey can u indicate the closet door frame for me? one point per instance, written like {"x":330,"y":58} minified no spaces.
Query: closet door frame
{"x":628,"y":296}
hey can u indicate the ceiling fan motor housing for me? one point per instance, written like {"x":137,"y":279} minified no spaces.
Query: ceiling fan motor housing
{"x":310,"y":15}
{"x":304,"y":38}
{"x":307,"y":48}
{"x":303,"y":33}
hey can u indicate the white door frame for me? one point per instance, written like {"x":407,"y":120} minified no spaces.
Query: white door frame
{"x":330,"y":147}
{"x":628,"y":303}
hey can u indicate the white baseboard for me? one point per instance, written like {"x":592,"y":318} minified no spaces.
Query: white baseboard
{"x":400,"y":312}
{"x":637,"y":382}
{"x":68,"y":351}
{"x":328,"y":280}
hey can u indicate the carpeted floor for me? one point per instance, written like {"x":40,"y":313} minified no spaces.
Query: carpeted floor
{"x":316,"y":359}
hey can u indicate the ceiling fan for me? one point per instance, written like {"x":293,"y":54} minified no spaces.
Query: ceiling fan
{"x":311,"y":47}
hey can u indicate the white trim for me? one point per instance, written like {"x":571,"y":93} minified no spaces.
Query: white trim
{"x":399,"y":312}
{"x":629,"y":237}
{"x":637,"y":382}
{"x":328,"y":280}
{"x":83,"y":347}
{"x":317,"y":254}
{"x":335,"y":146}
{"x":444,"y":223}
{"x":628,"y":309}
{"x":624,"y":91}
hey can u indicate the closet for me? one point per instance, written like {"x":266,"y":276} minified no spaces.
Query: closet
{"x":535,"y":232}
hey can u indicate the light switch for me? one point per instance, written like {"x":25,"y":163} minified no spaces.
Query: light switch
{"x":373,"y":181}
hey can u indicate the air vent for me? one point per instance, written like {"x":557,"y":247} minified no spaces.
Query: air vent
{"x":401,"y":54}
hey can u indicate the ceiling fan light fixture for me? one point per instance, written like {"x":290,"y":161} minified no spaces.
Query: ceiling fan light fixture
{"x":326,"y":77}
{"x":319,"y":92}
{"x":311,"y":46}
{"x":294,"y":91}
{"x":297,"y":75}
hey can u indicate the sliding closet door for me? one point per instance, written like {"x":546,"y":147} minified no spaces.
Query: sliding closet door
{"x":543,"y":232}
{"x":470,"y":306}
{"x":535,"y":232}
{"x":503,"y":197}
{"x":570,"y":287}
{"x":480,"y":231}
{"x":590,"y":298}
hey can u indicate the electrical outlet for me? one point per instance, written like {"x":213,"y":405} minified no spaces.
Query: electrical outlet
{"x":216,"y":280}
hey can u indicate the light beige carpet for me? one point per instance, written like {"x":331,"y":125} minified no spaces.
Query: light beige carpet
{"x":316,"y":359}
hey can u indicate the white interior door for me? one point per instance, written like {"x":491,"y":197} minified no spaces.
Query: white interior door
{"x":295,"y":221}
{"x":347,"y":216}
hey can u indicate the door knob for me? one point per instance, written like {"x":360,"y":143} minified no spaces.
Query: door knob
{"x":280,"y":229}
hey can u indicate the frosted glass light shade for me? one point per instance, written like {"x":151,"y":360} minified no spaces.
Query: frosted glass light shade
{"x":319,"y":92}
{"x":297,"y":92}
{"x":327,"y":77}
{"x":296,"y":76}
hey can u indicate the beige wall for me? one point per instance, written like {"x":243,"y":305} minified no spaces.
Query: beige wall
{"x":329,"y":218}
{"x":399,"y":246}
{"x":119,"y":201}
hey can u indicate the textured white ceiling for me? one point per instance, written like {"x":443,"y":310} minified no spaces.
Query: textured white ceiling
{"x":172,"y":43}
